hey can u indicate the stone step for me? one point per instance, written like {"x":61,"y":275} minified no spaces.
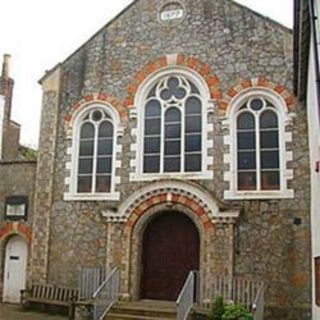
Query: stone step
{"x":144,"y":310}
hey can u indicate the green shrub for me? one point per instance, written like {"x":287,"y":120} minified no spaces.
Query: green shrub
{"x":217,"y":309}
{"x":236,"y":312}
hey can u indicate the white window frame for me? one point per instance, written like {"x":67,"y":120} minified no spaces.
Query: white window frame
{"x":72,"y":181}
{"x":207,"y":128}
{"x":230,"y":140}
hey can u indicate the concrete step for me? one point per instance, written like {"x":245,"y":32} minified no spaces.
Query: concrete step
{"x":144,"y":310}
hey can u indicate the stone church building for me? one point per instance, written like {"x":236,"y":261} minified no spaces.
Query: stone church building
{"x":171,"y":141}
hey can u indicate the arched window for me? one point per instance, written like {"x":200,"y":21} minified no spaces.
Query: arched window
{"x":258,"y":152}
{"x":173,"y":127}
{"x":95,"y":153}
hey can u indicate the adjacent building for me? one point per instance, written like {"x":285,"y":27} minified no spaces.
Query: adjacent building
{"x":307,"y":86}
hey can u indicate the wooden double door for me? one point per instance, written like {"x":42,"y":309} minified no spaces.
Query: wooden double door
{"x":170,"y":250}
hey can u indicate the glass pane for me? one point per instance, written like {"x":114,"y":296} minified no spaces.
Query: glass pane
{"x":246,"y":140}
{"x":269,"y":159}
{"x":256,"y":104}
{"x":152,"y":92}
{"x":84,"y":184}
{"x":104,"y":165}
{"x":85,"y":166}
{"x":246,"y":160}
{"x":193,"y":106}
{"x":172,"y":147}
{"x":180,"y":93}
{"x":105,"y":147}
{"x":193,"y":124}
{"x":172,"y":164}
{"x":96,"y":115}
{"x":270,"y":180}
{"x":247,"y":181}
{"x":173,"y":115}
{"x":165,"y":94}
{"x":151,"y":164}
{"x":193,"y":163}
{"x":194,"y":89}
{"x":86,"y":148}
{"x":105,"y":129}
{"x":193,"y":143}
{"x":152,"y":145}
{"x":152,"y":126}
{"x":153,"y":109}
{"x":268,"y":119}
{"x":87,"y":131}
{"x":103,"y":184}
{"x":246,"y":121}
{"x":269,"y":139}
{"x":173,"y":83}
{"x":173,"y":131}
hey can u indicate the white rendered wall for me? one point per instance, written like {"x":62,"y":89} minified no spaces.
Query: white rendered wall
{"x":2,"y":102}
{"x":314,"y":143}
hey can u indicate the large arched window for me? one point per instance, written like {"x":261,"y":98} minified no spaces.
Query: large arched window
{"x":173,"y":123}
{"x":95,"y":153}
{"x":258,"y":154}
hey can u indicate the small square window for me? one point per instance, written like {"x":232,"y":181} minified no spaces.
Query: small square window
{"x":16,"y":207}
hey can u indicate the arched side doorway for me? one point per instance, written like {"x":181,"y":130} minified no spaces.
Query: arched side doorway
{"x":16,"y":252}
{"x":170,"y":250}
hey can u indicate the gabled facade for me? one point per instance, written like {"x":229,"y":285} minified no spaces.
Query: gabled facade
{"x":171,"y":141}
{"x":17,"y":177}
{"x":307,"y":71}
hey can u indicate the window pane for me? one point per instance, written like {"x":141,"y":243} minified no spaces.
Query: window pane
{"x":246,"y":121}
{"x":173,"y":131}
{"x":173,"y":115}
{"x":172,"y":147}
{"x":246,"y":160}
{"x":106,"y":129}
{"x":256,"y":104}
{"x":193,"y":106}
{"x":268,"y":119}
{"x":86,"y":148}
{"x":152,"y":145}
{"x":152,"y":126}
{"x":151,"y":164}
{"x":269,"y":159}
{"x":103,"y":184}
{"x":193,"y":124}
{"x":85,"y":166}
{"x":87,"y":131}
{"x":193,"y":163}
{"x":246,"y":140}
{"x":247,"y":181}
{"x":269,"y":139}
{"x":84,"y":184}
{"x":193,"y":143}
{"x":172,"y":164}
{"x":104,"y":165}
{"x":270,"y":180}
{"x":153,"y":109}
{"x":105,"y":147}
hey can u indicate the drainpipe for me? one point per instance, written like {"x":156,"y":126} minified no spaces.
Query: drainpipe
{"x":313,"y":21}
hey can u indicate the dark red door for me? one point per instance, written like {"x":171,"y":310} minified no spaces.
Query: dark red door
{"x":170,"y":252}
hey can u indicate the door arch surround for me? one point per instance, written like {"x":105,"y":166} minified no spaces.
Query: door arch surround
{"x":136,"y":241}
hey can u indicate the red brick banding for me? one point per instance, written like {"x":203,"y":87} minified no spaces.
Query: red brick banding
{"x":19,"y":229}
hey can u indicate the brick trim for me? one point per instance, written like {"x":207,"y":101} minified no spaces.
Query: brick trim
{"x":15,"y":228}
{"x":190,"y":62}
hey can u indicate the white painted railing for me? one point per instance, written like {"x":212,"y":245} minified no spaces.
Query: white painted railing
{"x":186,"y":298}
{"x":90,"y":279}
{"x":258,"y":305}
{"x":106,"y":295}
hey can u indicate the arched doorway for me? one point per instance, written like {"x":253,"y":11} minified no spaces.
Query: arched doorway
{"x":170,"y":250}
{"x":16,"y":252}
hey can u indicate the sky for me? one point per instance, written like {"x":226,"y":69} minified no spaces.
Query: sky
{"x":38,"y":34}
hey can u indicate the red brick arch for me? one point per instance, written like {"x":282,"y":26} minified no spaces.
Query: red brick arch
{"x":259,"y":82}
{"x":175,"y":198}
{"x":190,"y":62}
{"x":13,"y":228}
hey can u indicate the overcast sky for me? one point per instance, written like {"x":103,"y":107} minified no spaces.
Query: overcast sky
{"x":40,"y":33}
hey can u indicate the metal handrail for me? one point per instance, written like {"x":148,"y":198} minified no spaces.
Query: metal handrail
{"x":258,"y":305}
{"x":106,"y":295}
{"x":185,"y":300}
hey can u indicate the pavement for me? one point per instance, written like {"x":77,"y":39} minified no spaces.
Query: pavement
{"x":15,"y":312}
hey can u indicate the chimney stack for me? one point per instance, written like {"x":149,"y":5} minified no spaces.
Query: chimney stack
{"x":6,"y":66}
